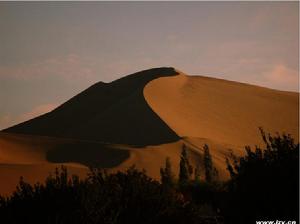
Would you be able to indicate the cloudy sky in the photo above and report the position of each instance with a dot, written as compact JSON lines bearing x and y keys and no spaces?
{"x":53,"y":50}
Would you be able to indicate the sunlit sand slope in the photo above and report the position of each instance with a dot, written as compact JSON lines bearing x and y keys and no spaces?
{"x":223,"y":114}
{"x":222,"y":111}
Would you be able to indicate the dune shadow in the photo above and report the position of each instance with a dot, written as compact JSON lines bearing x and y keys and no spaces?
{"x":87,"y":153}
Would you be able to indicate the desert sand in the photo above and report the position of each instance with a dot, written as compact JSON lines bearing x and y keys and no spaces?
{"x":140,"y":120}
{"x":222,"y":111}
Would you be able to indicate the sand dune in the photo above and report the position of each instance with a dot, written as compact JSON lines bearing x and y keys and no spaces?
{"x":222,"y":111}
{"x":113,"y":112}
{"x":141,"y":119}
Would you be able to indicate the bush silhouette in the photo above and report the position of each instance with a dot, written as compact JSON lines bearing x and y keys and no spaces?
{"x":122,"y":197}
{"x":264,"y":184}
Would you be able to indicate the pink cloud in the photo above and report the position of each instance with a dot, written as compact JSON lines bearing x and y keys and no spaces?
{"x":5,"y":121}
{"x":37,"y":111}
{"x":9,"y":120}
{"x":282,"y":77}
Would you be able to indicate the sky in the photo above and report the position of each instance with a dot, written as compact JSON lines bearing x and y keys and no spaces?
{"x":50,"y":51}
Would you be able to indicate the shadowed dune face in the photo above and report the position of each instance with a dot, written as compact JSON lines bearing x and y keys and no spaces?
{"x":115,"y":112}
{"x":90,"y":154}
{"x":222,"y":111}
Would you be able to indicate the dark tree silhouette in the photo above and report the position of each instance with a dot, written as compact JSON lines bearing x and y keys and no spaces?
{"x":185,"y":169}
{"x":197,"y":170}
{"x":197,"y":174}
{"x":208,"y":165}
{"x":265,"y":182}
{"x":166,"y":174}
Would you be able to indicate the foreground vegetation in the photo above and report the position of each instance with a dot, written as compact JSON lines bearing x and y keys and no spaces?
{"x":263,"y":186}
